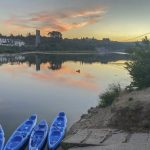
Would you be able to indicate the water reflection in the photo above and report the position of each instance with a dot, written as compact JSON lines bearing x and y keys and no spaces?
{"x":55,"y":60}
{"x":47,"y":84}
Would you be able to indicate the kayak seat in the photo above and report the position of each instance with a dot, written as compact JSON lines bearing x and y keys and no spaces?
{"x":36,"y":128}
{"x":61,"y":114}
{"x":24,"y":129}
{"x":1,"y":136}
{"x":21,"y":134}
{"x":24,"y":134}
{"x":60,"y":130}
{"x":42,"y":126}
{"x":39,"y":133}
{"x":15,"y":141}
{"x":60,"y":119}
{"x":29,"y":122}
{"x":62,"y":124}
{"x":55,"y":136}
{"x":58,"y":127}
{"x":35,"y":141}
{"x":55,"y":133}
{"x":32,"y":117}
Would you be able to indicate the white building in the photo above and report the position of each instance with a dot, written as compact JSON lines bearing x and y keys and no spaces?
{"x":11,"y":42}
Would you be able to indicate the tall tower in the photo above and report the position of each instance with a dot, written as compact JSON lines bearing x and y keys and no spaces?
{"x":38,"y":38}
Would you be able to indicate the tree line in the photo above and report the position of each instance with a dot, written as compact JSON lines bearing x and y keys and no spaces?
{"x":55,"y":41}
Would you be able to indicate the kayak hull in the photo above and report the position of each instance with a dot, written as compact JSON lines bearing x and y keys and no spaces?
{"x":38,"y":136}
{"x":21,"y":134}
{"x":2,"y":138}
{"x":57,"y":131}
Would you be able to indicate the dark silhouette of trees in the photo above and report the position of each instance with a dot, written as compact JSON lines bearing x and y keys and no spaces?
{"x":146,"y":41}
{"x":55,"y":35}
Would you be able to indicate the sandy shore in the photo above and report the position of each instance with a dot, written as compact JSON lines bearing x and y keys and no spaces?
{"x":130,"y":112}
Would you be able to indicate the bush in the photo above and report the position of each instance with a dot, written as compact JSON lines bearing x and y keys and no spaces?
{"x":108,"y":97}
{"x":139,"y":68}
{"x":130,"y":99}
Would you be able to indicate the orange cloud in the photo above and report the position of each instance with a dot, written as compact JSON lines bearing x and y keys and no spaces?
{"x":57,"y":77}
{"x":69,"y":71}
{"x":63,"y":20}
{"x":64,"y":76}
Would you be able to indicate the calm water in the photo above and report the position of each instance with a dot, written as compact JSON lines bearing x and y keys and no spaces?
{"x":47,"y":84}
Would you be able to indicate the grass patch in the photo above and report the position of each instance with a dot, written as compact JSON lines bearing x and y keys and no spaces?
{"x":108,"y":97}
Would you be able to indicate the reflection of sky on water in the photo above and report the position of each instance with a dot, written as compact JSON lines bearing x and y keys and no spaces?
{"x":24,"y":91}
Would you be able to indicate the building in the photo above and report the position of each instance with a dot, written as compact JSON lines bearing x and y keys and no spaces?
{"x":7,"y":41}
{"x":38,"y":38}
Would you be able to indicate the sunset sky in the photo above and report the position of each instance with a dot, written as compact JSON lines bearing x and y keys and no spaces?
{"x":116,"y":19}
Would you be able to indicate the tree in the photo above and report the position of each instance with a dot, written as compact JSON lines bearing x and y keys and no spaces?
{"x":55,"y":35}
{"x":146,"y":41}
{"x":11,"y":36}
{"x":139,"y":68}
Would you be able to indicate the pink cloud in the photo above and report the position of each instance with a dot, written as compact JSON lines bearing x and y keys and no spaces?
{"x":63,"y":20}
{"x":61,"y":79}
{"x":64,"y":76}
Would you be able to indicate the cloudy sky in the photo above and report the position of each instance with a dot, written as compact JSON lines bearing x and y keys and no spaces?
{"x":116,"y":19}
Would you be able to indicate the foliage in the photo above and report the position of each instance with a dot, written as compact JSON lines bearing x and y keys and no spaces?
{"x":55,"y":35}
{"x":9,"y":49}
{"x":56,"y":42}
{"x":139,"y":68}
{"x":108,"y":97}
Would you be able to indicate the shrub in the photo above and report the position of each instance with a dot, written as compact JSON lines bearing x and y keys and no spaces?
{"x":130,"y":99}
{"x":139,"y":68}
{"x":108,"y":97}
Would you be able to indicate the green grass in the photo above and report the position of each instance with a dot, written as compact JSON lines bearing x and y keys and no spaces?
{"x":108,"y":97}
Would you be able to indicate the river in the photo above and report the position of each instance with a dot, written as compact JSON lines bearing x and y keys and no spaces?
{"x":48,"y":83}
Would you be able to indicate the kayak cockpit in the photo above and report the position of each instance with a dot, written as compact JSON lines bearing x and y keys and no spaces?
{"x":15,"y":141}
{"x":33,"y":117}
{"x":55,"y":136}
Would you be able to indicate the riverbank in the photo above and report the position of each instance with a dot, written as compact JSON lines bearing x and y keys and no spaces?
{"x":134,"y":107}
{"x":130,"y":113}
{"x":61,"y":53}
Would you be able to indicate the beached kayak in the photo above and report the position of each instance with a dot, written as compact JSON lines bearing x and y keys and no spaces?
{"x":21,"y":134}
{"x":2,"y":138}
{"x":38,"y":136}
{"x":57,"y":131}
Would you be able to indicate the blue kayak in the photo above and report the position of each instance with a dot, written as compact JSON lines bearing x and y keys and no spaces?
{"x":21,"y":134}
{"x":57,"y":131}
{"x":38,"y":136}
{"x":2,"y":138}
